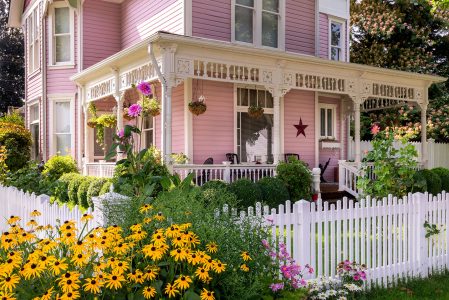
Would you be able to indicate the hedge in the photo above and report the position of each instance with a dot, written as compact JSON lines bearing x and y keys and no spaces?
{"x":17,"y":141}
{"x":246,"y":191}
{"x":274,"y":191}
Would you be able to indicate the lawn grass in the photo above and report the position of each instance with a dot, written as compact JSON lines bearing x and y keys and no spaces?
{"x":435,"y":287}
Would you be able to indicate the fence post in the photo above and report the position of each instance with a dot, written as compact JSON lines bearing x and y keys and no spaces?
{"x":316,"y":180}
{"x":431,"y":154}
{"x":303,"y":219}
{"x":227,"y":171}
{"x":420,"y":202}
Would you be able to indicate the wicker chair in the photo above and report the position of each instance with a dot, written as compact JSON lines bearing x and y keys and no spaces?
{"x":205,"y":175}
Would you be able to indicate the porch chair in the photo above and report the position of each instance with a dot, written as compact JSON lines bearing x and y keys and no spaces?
{"x":205,"y":174}
{"x":233,"y":158}
{"x":288,"y":155}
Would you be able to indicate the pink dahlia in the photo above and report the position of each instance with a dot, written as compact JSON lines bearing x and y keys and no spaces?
{"x":144,"y":88}
{"x":134,"y":110}
{"x":375,"y":129}
{"x":121,"y":133}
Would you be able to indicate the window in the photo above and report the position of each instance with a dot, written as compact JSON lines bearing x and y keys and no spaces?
{"x":100,"y":151}
{"x":148,"y":132}
{"x":336,"y":40}
{"x":254,"y":136}
{"x":34,"y":128}
{"x":62,"y":35}
{"x":62,"y":127}
{"x":259,"y":22}
{"x":327,"y":121}
{"x":33,"y":22}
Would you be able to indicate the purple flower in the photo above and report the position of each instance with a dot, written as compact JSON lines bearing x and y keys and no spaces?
{"x":311,"y":270}
{"x":276,"y":286}
{"x":144,"y":88}
{"x":356,"y":277}
{"x":121,"y":133}
{"x":265,"y":244}
{"x":134,"y":110}
{"x":303,"y":282}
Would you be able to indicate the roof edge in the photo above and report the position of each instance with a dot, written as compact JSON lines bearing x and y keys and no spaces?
{"x":15,"y":13}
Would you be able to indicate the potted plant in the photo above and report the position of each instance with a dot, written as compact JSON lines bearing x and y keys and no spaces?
{"x":198,"y":107}
{"x":92,"y":123}
{"x":126,"y":116}
{"x":255,"y":111}
{"x":150,"y":107}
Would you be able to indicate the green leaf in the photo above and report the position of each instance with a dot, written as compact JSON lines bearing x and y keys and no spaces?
{"x":191,"y":295}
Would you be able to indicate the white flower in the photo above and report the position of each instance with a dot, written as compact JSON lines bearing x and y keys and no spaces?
{"x":352,"y":287}
{"x":342,"y":298}
{"x":322,"y":296}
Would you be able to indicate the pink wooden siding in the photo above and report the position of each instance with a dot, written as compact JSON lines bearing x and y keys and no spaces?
{"x":324,"y":36}
{"x":212,"y":21}
{"x":300,"y":26}
{"x":141,"y":18}
{"x":300,"y":105}
{"x":25,"y":5}
{"x":101,"y":22}
{"x":213,"y":132}
{"x":333,"y":154}
{"x":178,"y":119}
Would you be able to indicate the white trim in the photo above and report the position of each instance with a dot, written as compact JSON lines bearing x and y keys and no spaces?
{"x":61,"y":98}
{"x":333,"y":107}
{"x":282,"y":125}
{"x":51,"y":42}
{"x":188,"y":120}
{"x":188,"y":18}
{"x":29,"y":9}
{"x":317,"y":130}
{"x":342,"y":22}
{"x":33,"y":41}
{"x":257,"y":25}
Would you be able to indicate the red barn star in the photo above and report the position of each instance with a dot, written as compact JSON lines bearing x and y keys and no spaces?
{"x":301,"y":128}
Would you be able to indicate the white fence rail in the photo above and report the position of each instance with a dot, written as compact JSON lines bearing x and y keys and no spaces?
{"x":438,"y":153}
{"x":17,"y":203}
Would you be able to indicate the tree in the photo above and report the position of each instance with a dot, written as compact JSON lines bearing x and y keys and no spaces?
{"x":12,"y":84}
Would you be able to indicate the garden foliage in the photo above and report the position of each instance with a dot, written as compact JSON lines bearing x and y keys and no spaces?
{"x":297,"y":178}
{"x":443,"y":173}
{"x":17,"y":141}
{"x":246,"y":191}
{"x":274,"y":191}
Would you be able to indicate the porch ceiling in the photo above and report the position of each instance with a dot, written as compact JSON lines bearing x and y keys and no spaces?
{"x":277,"y":70}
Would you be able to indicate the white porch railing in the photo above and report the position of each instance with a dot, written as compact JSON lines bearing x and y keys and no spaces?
{"x":349,"y":173}
{"x":99,"y":169}
{"x":225,"y":172}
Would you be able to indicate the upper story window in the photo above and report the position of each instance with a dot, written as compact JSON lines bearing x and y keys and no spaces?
{"x":33,"y":42}
{"x":336,"y":40}
{"x":259,"y":22}
{"x":62,"y":35}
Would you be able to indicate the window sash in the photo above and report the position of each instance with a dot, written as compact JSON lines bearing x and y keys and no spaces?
{"x":327,"y":122}
{"x":62,"y":40}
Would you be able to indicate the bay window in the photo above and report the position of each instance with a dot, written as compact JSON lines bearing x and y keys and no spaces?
{"x":254,"y":136}
{"x":336,"y":40}
{"x":62,"y":124}
{"x":62,"y":35}
{"x":259,"y":22}
{"x":328,"y":121}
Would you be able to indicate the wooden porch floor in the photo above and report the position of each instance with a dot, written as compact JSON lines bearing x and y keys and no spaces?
{"x":330,"y":192}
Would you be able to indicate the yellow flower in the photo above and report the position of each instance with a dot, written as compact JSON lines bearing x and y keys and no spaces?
{"x":203,"y":257}
{"x":153,"y":252}
{"x":145,"y":208}
{"x":93,"y":285}
{"x":121,"y":267}
{"x":171,"y":291}
{"x":212,"y":247}
{"x":218,"y":266}
{"x":86,"y":218}
{"x":9,"y":283}
{"x":159,"y":217}
{"x":178,"y":241}
{"x":136,"y":227}
{"x":149,"y":292}
{"x":32,"y":269}
{"x":183,"y":282}
{"x":172,"y":231}
{"x":121,"y":248}
{"x":114,"y":281}
{"x":244,"y":268}
{"x":48,"y":294}
{"x":158,"y":239}
{"x":70,"y":295}
{"x":57,"y":266}
{"x":207,"y":295}
{"x":78,"y":247}
{"x":31,"y":223}
{"x":147,"y":220}
{"x":80,"y":259}
{"x":69,"y":285}
{"x":7,"y":296}
{"x":13,"y":220}
{"x":35,"y":213}
{"x":245,"y":256}
{"x":193,"y":259}
{"x":202,"y":274}
{"x":136,"y":276}
{"x":179,"y":254}
{"x":151,"y":273}
{"x":192,"y":239}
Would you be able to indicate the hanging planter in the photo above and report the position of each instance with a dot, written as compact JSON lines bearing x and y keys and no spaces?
{"x":92,"y":123}
{"x":198,"y":107}
{"x":150,"y":107}
{"x":126,"y":116}
{"x":255,"y":112}
{"x":107,"y":120}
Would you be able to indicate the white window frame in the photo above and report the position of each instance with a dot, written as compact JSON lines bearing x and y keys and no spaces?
{"x":333,"y":107}
{"x":144,"y":142}
{"x":342,"y":23}
{"x":36,"y":121}
{"x":257,"y":25}
{"x":33,"y":41}
{"x":62,"y":98}
{"x":51,"y":37}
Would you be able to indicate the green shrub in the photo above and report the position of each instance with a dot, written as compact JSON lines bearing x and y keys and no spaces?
{"x":105,"y":187}
{"x":13,"y":118}
{"x":419,"y":182}
{"x":82,"y":191}
{"x":443,"y":173}
{"x":94,"y":189}
{"x":28,"y":179}
{"x":60,"y":193}
{"x":73,"y":189}
{"x":214,"y":184}
{"x":433,"y":182}
{"x":58,"y":165}
{"x":297,"y":178}
{"x":246,"y":191}
{"x":17,"y":141}
{"x":274,"y":191}
{"x":218,"y":196}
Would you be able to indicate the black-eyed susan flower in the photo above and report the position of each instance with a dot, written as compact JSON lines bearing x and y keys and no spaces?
{"x":245,"y":256}
{"x":121,"y":248}
{"x":93,"y":285}
{"x":147,"y":220}
{"x":7,"y":296}
{"x":57,"y":266}
{"x":145,"y":208}
{"x":183,"y":282}
{"x":35,"y":213}
{"x":178,"y":241}
{"x":218,"y":266}
{"x":9,"y":282}
{"x":149,"y":292}
{"x":244,"y":268}
{"x":179,"y":254}
{"x":114,"y":281}
{"x":69,"y":285}
{"x":86,"y":218}
{"x":31,"y":223}
{"x":193,"y":259}
{"x":158,"y":239}
{"x":207,"y":295}
{"x":13,"y":220}
{"x":152,"y":252}
{"x":72,"y":295}
{"x":159,"y":217}
{"x":202,"y":274}
{"x":151,"y":273}
{"x":121,"y":267}
{"x":171,"y":290}
{"x":32,"y":270}
{"x":48,"y":294}
{"x":172,"y":231}
{"x":212,"y":247}
{"x":80,"y":259}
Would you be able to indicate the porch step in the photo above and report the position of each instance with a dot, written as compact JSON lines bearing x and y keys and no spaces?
{"x":330,"y":192}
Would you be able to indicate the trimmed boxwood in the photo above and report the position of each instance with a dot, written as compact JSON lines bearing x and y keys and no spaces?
{"x":105,"y":188}
{"x":433,"y":182}
{"x":443,"y":173}
{"x":214,"y":184}
{"x":73,"y":189}
{"x":60,"y":192}
{"x":274,"y":191}
{"x":59,"y":165}
{"x":246,"y":191}
{"x":94,"y":189}
{"x":82,"y":191}
{"x":297,"y":178}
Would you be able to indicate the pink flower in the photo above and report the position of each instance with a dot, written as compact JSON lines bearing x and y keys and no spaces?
{"x":311,"y":270}
{"x":121,"y":133}
{"x":276,"y":286}
{"x":265,"y":244}
{"x":144,"y":88}
{"x":356,"y":277}
{"x":134,"y":110}
{"x":375,"y":129}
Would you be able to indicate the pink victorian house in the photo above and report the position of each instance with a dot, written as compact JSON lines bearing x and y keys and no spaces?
{"x":288,"y":56}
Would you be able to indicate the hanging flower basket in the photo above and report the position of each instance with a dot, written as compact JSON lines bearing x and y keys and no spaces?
{"x":150,"y":107}
{"x":126,"y":116}
{"x":197,"y":107}
{"x":255,"y":112}
{"x":92,"y":123}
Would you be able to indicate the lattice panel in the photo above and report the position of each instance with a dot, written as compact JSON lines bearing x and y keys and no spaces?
{"x":101,"y":89}
{"x":136,"y":75}
{"x":378,"y":103}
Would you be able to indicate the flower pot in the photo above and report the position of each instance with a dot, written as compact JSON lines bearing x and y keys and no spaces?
{"x":197,"y":108}
{"x":154,"y":112}
{"x":92,"y":123}
{"x":255,"y":112}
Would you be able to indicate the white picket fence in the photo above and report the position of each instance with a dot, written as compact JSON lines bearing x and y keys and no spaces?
{"x":17,"y":203}
{"x":388,"y":236}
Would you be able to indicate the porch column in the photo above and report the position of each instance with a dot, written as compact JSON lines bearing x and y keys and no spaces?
{"x":358,"y":156}
{"x":424,"y":155}
{"x":166,"y":141}
{"x":276,"y":127}
{"x":188,"y":121}
{"x":120,"y":125}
